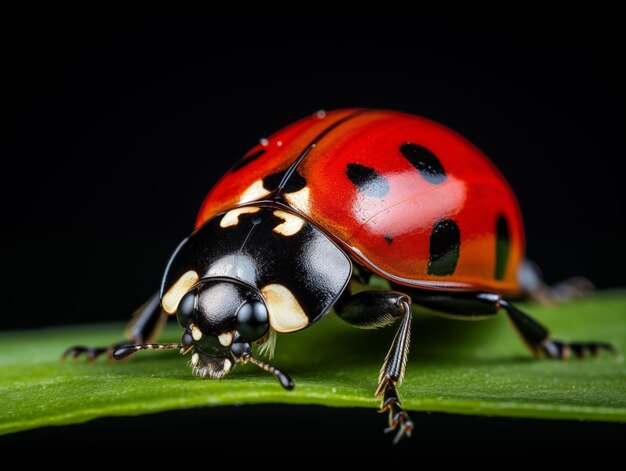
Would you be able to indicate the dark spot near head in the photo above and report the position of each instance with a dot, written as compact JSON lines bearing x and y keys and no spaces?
{"x":247,"y":159}
{"x":502,"y":247}
{"x":388,"y":238}
{"x":295,"y":183}
{"x":426,"y":163}
{"x":367,"y":180}
{"x":445,"y":246}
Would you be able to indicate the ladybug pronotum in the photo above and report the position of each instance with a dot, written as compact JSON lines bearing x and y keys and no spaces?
{"x":345,"y":196}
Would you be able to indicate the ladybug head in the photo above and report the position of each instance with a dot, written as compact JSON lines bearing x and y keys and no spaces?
{"x":222,"y":318}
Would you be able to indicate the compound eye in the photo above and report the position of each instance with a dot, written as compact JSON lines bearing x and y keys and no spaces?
{"x":185,"y":309}
{"x":252,"y":321}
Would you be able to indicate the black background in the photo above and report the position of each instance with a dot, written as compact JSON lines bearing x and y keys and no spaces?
{"x":121,"y":126}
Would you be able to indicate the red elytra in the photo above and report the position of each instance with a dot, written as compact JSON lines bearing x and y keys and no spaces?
{"x":386,"y":223}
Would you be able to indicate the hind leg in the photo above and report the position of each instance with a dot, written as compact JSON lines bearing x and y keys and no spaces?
{"x":534,"y":286}
{"x":482,"y":305}
{"x":144,"y":326}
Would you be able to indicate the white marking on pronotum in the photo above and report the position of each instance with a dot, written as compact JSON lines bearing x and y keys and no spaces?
{"x":300,"y":200}
{"x":227,"y":365}
{"x":231,"y":218}
{"x":226,"y":338}
{"x":178,"y":290}
{"x":195,"y":332}
{"x":254,"y":192}
{"x":285,"y":313}
{"x":291,"y":225}
{"x":195,"y":358}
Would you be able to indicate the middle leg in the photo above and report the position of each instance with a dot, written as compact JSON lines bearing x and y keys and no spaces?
{"x":374,"y":309}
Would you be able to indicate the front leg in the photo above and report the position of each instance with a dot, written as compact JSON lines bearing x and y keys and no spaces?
{"x":143,"y":327}
{"x":374,"y":309}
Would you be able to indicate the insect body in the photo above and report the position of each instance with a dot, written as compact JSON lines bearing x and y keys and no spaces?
{"x":340,"y":195}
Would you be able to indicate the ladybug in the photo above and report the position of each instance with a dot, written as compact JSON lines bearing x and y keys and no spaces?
{"x":346,"y":196}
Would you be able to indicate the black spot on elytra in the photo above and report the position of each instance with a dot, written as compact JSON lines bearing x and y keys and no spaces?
{"x":426,"y":163}
{"x":388,"y":238}
{"x":367,"y":180}
{"x":502,"y":246}
{"x":445,"y":247}
{"x":246,"y":160}
{"x":295,"y":183}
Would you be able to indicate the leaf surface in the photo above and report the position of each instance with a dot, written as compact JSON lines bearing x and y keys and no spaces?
{"x":460,"y":367}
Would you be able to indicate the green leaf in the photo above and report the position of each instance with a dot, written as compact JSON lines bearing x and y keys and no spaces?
{"x":460,"y":367}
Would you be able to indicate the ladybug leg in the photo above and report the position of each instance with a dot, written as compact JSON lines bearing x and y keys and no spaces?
{"x":534,"y":286}
{"x":374,"y":309}
{"x":482,"y":305}
{"x":144,"y":325}
{"x":538,"y":339}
